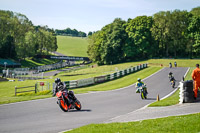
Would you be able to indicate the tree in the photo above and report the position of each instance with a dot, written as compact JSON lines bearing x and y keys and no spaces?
{"x":170,"y":32}
{"x":194,"y":33}
{"x":70,"y":32}
{"x":140,"y":43}
{"x":106,"y":45}
{"x":89,"y":33}
{"x":82,"y":34}
{"x":160,"y":33}
{"x":177,"y":31}
{"x":196,"y":11}
{"x":20,"y":39}
{"x":46,"y":41}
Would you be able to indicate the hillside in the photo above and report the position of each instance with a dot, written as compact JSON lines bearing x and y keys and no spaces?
{"x":72,"y":46}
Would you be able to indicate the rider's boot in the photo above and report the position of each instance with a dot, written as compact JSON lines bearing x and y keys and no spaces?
{"x":72,"y":104}
{"x":146,"y":91}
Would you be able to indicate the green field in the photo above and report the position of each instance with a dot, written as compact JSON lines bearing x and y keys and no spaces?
{"x":72,"y":46}
{"x":37,"y":62}
{"x":173,"y":124}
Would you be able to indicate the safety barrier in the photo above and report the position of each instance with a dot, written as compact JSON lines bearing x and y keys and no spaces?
{"x":186,"y":94}
{"x":104,"y":78}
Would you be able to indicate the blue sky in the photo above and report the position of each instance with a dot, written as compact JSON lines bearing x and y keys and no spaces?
{"x":90,"y":15}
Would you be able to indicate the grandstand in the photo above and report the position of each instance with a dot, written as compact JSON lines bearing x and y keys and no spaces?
{"x":9,"y":63}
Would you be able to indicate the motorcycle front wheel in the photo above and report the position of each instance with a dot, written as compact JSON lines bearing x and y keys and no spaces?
{"x":77,"y":105}
{"x":63,"y":106}
{"x":143,"y":95}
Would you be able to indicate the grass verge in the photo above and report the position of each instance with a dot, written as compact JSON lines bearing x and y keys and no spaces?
{"x":173,"y":124}
{"x":171,"y":100}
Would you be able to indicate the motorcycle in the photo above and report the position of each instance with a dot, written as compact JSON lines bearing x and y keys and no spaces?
{"x":143,"y":91}
{"x":67,"y":101}
{"x":172,"y":83}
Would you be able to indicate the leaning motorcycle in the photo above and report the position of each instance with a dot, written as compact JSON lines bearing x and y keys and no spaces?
{"x":172,"y":83}
{"x":143,"y":91}
{"x":67,"y":101}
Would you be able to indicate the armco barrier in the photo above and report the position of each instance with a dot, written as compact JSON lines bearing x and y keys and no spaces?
{"x":104,"y":78}
{"x":100,"y":79}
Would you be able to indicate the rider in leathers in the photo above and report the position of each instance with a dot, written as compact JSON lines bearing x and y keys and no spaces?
{"x":61,"y":86}
{"x":139,"y":84}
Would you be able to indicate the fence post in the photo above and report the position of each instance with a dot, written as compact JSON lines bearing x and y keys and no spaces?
{"x":35,"y":87}
{"x":108,"y":77}
{"x":15,"y":90}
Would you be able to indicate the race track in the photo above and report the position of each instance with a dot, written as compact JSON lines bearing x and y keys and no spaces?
{"x":45,"y":116}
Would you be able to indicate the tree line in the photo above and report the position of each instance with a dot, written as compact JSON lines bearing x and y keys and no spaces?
{"x":166,"y":34}
{"x":71,"y":32}
{"x":19,"y":38}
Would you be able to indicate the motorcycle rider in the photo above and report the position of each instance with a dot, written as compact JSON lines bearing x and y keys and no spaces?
{"x":170,"y":75}
{"x":170,"y":65}
{"x":61,"y":86}
{"x":172,"y":79}
{"x":139,"y":84}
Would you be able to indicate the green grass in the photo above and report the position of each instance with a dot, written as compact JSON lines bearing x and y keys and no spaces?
{"x":174,"y":98}
{"x":173,"y":124}
{"x":36,"y":62}
{"x":95,"y":71}
{"x":189,"y":74}
{"x":72,"y":46}
{"x":7,"y":92}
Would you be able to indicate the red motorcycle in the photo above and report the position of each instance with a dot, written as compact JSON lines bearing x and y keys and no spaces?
{"x":67,"y":100}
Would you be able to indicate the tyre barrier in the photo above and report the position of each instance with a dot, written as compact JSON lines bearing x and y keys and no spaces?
{"x":186,"y":92}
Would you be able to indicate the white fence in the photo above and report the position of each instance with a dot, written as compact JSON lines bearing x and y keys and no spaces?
{"x":100,"y":79}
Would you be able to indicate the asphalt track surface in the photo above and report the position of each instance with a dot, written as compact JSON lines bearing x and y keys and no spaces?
{"x":45,"y":116}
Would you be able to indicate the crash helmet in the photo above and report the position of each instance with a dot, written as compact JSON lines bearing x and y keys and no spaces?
{"x":71,"y":93}
{"x":57,"y":80}
{"x":139,"y":80}
{"x":170,"y":73}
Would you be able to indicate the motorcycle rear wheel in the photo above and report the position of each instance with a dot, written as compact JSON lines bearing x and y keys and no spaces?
{"x":63,"y":105}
